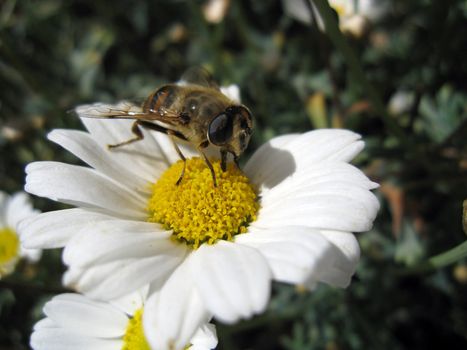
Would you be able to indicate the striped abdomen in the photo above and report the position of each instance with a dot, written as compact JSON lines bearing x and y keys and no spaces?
{"x":163,"y":98}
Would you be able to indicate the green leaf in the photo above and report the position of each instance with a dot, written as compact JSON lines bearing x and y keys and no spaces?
{"x":409,"y":248}
{"x":442,"y":115}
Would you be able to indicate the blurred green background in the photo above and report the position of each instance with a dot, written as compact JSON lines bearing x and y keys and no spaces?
{"x":57,"y":54}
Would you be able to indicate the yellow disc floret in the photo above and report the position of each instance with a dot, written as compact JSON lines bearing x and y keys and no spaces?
{"x":9,"y":245}
{"x":134,"y":338}
{"x":196,"y":210}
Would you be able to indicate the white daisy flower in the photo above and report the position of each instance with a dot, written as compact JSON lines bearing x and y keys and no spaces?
{"x":12,"y":210}
{"x":76,"y":322}
{"x":208,"y":251}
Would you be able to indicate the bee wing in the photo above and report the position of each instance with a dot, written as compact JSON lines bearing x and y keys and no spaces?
{"x":198,"y":76}
{"x":122,"y":110}
{"x":127,"y":110}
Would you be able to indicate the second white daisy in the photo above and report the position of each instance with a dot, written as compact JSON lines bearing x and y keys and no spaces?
{"x":13,"y":209}
{"x":76,"y":322}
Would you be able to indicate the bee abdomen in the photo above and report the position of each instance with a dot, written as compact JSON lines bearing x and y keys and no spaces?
{"x":162,"y":98}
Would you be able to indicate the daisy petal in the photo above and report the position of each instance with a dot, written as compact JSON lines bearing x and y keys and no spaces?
{"x":54,"y":229}
{"x":204,"y":338}
{"x":324,"y":144}
{"x":86,"y":317}
{"x":168,"y":150}
{"x":172,"y":316}
{"x":61,"y":339}
{"x":3,"y":199}
{"x":131,"y":302}
{"x":32,"y":255}
{"x":118,"y":278}
{"x":270,"y":153}
{"x":82,"y":186}
{"x":321,"y":174}
{"x":82,"y":145}
{"x":121,"y":239}
{"x":348,"y":153}
{"x":346,"y":210}
{"x":340,"y":190}
{"x":45,"y":323}
{"x":232,"y":92}
{"x":144,"y":156}
{"x":347,"y":256}
{"x":233,"y":280}
{"x":18,"y":207}
{"x":296,"y":155}
{"x":293,"y":253}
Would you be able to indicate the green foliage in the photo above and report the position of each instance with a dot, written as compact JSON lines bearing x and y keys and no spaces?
{"x":443,"y":115}
{"x":56,"y":54}
{"x":409,"y":249}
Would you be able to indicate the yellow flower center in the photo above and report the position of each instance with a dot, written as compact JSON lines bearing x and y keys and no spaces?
{"x":198,"y":212}
{"x":134,"y":338}
{"x":9,"y":245}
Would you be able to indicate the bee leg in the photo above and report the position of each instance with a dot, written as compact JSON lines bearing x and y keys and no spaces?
{"x":136,"y":131}
{"x":180,"y":154}
{"x":208,"y":163}
{"x":151,"y":126}
{"x":224,"y":160}
{"x":236,"y":162}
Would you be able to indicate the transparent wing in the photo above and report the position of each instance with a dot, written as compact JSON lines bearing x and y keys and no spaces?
{"x":198,"y":76}
{"x":122,"y":110}
{"x":127,"y":110}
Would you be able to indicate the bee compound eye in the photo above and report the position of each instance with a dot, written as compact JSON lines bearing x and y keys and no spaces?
{"x":220,"y":129}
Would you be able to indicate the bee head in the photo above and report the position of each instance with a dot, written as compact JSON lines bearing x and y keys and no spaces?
{"x":231,"y":130}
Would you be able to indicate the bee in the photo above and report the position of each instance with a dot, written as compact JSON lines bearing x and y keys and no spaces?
{"x":194,"y":111}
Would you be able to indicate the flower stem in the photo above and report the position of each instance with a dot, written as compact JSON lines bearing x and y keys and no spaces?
{"x":441,"y":260}
{"x":356,"y":70}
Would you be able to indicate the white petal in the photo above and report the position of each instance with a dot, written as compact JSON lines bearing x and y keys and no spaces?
{"x":168,"y":150}
{"x":130,"y":303}
{"x":333,"y":211}
{"x":297,"y":155}
{"x":45,"y":323}
{"x":347,"y":153}
{"x":346,"y":259}
{"x":339,"y":189}
{"x":32,"y":255}
{"x":118,"y":278}
{"x":60,"y":339}
{"x":324,"y":144}
{"x":232,"y":92}
{"x":118,"y":239}
{"x":54,"y":229}
{"x":18,"y":207}
{"x":205,"y":338}
{"x":86,"y":317}
{"x":172,"y":316}
{"x":82,"y":145}
{"x":149,"y":163}
{"x":233,"y":280}
{"x":293,"y":253}
{"x":270,"y":153}
{"x":82,"y":186}
{"x":327,"y":172}
{"x":3,"y":200}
